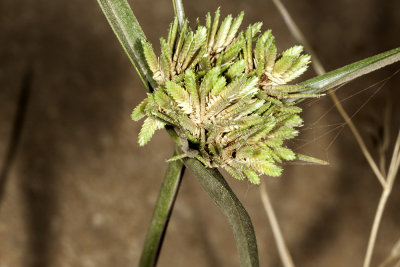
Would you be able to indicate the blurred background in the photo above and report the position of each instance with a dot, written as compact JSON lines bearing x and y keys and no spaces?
{"x":78,"y":190}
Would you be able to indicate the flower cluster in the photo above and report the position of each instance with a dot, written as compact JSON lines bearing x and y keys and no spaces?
{"x":225,"y":93}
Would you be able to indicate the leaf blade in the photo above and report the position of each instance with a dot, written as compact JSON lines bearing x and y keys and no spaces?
{"x":162,"y":212}
{"x":352,"y":71}
{"x":218,"y":189}
{"x":130,"y":35}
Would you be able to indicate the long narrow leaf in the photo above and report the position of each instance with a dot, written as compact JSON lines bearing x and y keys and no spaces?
{"x":218,"y":189}
{"x":130,"y":34}
{"x":351,"y":71}
{"x":162,"y":212}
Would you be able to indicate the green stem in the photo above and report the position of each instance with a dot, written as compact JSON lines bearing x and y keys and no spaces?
{"x":162,"y":213}
{"x":218,"y":189}
{"x":179,"y":12}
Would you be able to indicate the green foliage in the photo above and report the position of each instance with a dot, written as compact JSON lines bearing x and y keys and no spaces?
{"x":150,"y":125}
{"x":139,"y":112}
{"x":226,"y":94}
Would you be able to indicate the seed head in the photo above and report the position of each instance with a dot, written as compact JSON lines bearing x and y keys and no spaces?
{"x":226,"y":95}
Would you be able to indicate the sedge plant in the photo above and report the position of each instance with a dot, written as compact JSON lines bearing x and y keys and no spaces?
{"x":226,"y":98}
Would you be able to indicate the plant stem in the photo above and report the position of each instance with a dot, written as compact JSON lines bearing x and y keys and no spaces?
{"x":280,"y":241}
{"x":296,"y":32}
{"x":179,"y":12}
{"x":393,"y":169}
{"x":162,"y":212}
{"x":358,"y":138}
{"x":218,"y":189}
{"x":387,"y":183}
{"x":384,"y":144}
{"x":375,"y":227}
{"x":320,"y":70}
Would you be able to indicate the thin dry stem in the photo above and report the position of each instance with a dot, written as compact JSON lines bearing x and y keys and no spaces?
{"x":394,"y":167}
{"x":319,"y":69}
{"x":280,"y":241}
{"x":384,"y":145}
{"x":297,"y":33}
{"x":358,"y":138}
{"x":387,"y":183}
{"x":375,"y":227}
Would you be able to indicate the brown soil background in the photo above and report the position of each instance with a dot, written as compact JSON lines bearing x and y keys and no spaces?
{"x":80,"y":191}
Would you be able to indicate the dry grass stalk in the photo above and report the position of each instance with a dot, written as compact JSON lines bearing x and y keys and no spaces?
{"x":386,"y":182}
{"x":280,"y":241}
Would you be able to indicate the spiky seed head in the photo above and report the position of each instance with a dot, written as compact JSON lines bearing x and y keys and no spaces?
{"x":225,"y":93}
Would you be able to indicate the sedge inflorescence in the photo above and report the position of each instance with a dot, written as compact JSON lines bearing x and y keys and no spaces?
{"x":225,"y":94}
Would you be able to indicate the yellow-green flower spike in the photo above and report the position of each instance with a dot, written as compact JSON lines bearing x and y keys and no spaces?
{"x":225,"y":94}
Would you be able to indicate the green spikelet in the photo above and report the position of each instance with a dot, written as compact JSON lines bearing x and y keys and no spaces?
{"x":149,"y":127}
{"x":298,"y":68}
{"x":236,"y":69}
{"x":284,"y":132}
{"x":255,"y":28}
{"x":311,"y":159}
{"x":250,"y":88}
{"x":185,"y":50}
{"x":208,"y":26}
{"x":173,"y":32}
{"x":235,"y":173}
{"x":140,"y":111}
{"x":218,"y":86}
{"x":181,"y":40}
{"x":222,"y":33}
{"x":209,"y":81}
{"x":283,"y":64}
{"x":233,"y":50}
{"x":252,"y":176}
{"x":166,"y":70}
{"x":270,"y":53}
{"x":199,"y":40}
{"x":191,"y":87}
{"x":234,"y":88}
{"x":150,"y":56}
{"x":199,"y":56}
{"x":268,"y":126}
{"x":266,"y":167}
{"x":180,"y":95}
{"x":234,"y":29}
{"x":177,"y":157}
{"x":293,"y":121}
{"x":294,"y":51}
{"x":188,"y":125}
{"x":166,"y":51}
{"x":213,"y":30}
{"x":259,"y":50}
{"x":161,"y":99}
{"x":247,"y":49}
{"x":285,"y":153}
{"x":290,"y":109}
{"x":245,"y":152}
{"x":273,"y":142}
{"x":205,"y":65}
